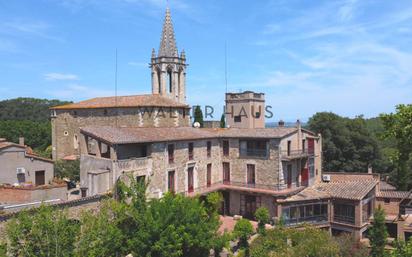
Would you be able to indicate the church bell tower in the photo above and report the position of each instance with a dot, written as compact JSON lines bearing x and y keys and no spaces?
{"x":168,"y":68}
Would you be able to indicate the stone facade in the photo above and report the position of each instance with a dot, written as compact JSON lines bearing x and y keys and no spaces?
{"x":66,"y":123}
{"x":98,"y":174}
{"x":245,"y":110}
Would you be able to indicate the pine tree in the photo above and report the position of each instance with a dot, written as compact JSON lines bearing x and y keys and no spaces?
{"x":222,"y":121}
{"x":378,"y":233}
{"x":199,"y":116}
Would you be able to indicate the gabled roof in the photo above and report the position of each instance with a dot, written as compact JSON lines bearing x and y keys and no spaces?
{"x":148,"y":100}
{"x":394,"y":194}
{"x":28,"y":151}
{"x":128,"y":135}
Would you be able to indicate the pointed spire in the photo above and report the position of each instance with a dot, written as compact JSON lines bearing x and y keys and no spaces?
{"x":168,"y":43}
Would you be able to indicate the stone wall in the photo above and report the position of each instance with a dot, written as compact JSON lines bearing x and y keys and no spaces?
{"x":15,"y":195}
{"x":66,"y":124}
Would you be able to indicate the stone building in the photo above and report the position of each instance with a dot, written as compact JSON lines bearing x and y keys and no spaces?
{"x":165,"y":107}
{"x":252,"y":167}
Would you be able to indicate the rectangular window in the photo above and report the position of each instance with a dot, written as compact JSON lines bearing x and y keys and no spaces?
{"x":289,"y":146}
{"x":209,"y":175}
{"x":171,"y":152}
{"x":209,"y":148}
{"x":344,"y":213}
{"x":40,"y":178}
{"x":141,"y":179}
{"x":226,"y":173}
{"x":251,"y":174}
{"x":225,"y":147}
{"x":253,"y":148}
{"x":190,"y":179}
{"x":303,"y":145}
{"x":190,"y":146}
{"x":171,"y":181}
{"x":238,"y":118}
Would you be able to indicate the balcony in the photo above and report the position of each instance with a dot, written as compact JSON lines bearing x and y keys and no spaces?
{"x":133,"y":164}
{"x":260,"y":153}
{"x":296,"y":154}
{"x":344,"y":219}
{"x":242,"y":186}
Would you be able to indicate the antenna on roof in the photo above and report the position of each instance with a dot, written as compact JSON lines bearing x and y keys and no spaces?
{"x":115,"y":90}
{"x":226,"y":65}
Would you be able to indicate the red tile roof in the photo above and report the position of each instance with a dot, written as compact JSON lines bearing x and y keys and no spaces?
{"x":123,"y":101}
{"x":127,"y":135}
{"x":28,"y":151}
{"x":393,"y":194}
{"x":351,"y":189}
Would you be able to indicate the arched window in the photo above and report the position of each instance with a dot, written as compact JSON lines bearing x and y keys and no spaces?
{"x":169,"y":80}
{"x":159,"y":82}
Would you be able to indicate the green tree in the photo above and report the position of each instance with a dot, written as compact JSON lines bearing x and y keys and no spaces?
{"x":402,"y":249}
{"x":223,"y":121}
{"x":100,"y":234}
{"x":350,"y":247}
{"x":198,"y":115}
{"x":243,"y":230}
{"x":378,"y":233}
{"x":398,"y":126}
{"x":262,"y":216}
{"x":67,"y":169}
{"x":45,"y":232}
{"x":347,"y":143}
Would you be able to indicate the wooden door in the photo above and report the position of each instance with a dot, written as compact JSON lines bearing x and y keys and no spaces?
{"x":190,"y":179}
{"x":226,"y":173}
{"x":251,"y":174}
{"x":311,"y":146}
{"x":305,"y":176}
{"x":209,"y":175}
{"x":289,"y":169}
{"x":40,"y":178}
{"x":171,"y":181}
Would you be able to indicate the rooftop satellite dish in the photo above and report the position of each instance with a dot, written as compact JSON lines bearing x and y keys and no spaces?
{"x":196,"y":124}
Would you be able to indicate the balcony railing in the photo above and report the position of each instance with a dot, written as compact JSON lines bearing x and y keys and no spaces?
{"x":236,"y":185}
{"x":132,"y":164}
{"x":254,"y":153}
{"x":344,"y":219}
{"x":312,"y":219}
{"x":299,"y":153}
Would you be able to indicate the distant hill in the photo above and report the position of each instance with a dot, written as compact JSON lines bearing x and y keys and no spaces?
{"x":32,"y":109}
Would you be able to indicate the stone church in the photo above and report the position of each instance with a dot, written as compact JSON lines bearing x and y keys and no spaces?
{"x":165,"y":107}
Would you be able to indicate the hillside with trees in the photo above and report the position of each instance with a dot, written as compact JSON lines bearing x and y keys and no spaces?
{"x":28,"y":118}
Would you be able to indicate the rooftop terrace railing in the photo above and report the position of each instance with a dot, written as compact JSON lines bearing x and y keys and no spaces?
{"x":298,"y":153}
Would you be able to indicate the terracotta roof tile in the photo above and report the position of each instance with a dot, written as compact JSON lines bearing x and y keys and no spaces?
{"x":123,"y":101}
{"x":393,"y":194}
{"x":28,"y":151}
{"x":352,"y":189}
{"x":309,"y":193}
{"x":127,"y":135}
{"x":385,"y":186}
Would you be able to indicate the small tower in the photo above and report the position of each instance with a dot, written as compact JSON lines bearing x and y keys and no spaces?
{"x":168,"y":68}
{"x":245,"y":110}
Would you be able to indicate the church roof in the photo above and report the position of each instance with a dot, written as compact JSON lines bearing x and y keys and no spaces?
{"x":123,"y":101}
{"x":168,"y":46}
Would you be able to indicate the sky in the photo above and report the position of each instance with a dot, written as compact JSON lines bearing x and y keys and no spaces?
{"x":351,"y":57}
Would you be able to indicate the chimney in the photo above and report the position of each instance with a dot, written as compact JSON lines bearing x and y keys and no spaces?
{"x":281,"y":123}
{"x":370,"y":169}
{"x":298,"y":124}
{"x":21,"y":141}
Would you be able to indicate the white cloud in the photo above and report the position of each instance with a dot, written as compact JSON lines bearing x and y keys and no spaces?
{"x":346,"y":11}
{"x":60,"y":76}
{"x":28,"y":27}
